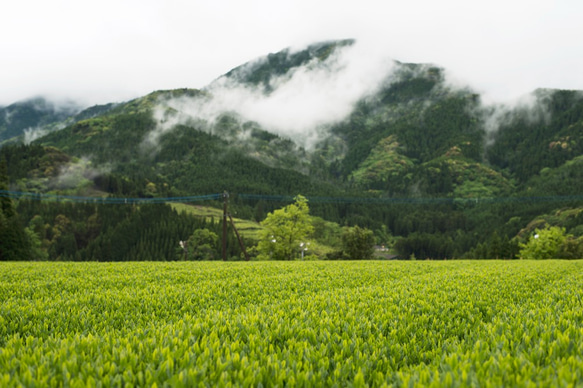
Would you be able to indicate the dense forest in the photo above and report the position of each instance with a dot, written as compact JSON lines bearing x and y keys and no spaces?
{"x":429,"y":168}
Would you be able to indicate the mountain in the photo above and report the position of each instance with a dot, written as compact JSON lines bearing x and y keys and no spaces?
{"x":33,"y":118}
{"x":32,"y":114}
{"x":392,"y":146}
{"x":263,"y":71}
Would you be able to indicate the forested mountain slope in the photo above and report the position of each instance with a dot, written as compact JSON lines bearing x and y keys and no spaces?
{"x":401,"y":151}
{"x":27,"y":120}
{"x":32,"y":114}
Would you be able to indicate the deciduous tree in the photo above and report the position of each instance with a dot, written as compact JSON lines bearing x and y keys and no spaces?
{"x":358,"y":243}
{"x":285,"y":229}
{"x":202,"y":245}
{"x":544,"y":244}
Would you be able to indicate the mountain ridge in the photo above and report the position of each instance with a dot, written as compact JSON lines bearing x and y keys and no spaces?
{"x":405,"y":132}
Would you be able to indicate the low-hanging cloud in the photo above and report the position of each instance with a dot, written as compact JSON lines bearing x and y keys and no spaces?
{"x":71,"y":175}
{"x":301,"y":104}
{"x":33,"y":133}
{"x":532,"y":108}
{"x":305,"y":102}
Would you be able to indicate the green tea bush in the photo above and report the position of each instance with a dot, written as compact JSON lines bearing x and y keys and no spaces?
{"x":308,"y":323}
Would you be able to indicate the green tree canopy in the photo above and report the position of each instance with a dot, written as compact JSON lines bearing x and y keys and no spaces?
{"x":14,"y":244}
{"x":201,"y":245}
{"x":544,"y":244}
{"x":358,"y":243}
{"x":285,"y":229}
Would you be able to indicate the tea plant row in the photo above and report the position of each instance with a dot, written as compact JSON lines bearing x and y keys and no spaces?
{"x":372,"y":323}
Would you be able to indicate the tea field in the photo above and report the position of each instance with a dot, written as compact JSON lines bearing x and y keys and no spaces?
{"x":376,"y":323}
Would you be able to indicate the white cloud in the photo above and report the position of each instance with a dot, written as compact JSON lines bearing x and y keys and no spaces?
{"x":532,"y":107}
{"x":75,"y":173}
{"x":310,"y":97}
{"x":33,"y":133}
{"x":104,"y":51}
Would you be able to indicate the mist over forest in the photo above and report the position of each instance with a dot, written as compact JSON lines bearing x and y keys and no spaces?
{"x":434,"y":168}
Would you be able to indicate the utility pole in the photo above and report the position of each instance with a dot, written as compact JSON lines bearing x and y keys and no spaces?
{"x":240,"y":240}
{"x":225,"y":215}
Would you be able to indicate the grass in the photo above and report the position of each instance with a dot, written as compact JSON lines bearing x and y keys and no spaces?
{"x":247,"y":229}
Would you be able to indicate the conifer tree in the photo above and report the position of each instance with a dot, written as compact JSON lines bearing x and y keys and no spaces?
{"x":13,"y":242}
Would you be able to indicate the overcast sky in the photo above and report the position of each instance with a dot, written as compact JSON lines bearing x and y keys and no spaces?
{"x":114,"y":50}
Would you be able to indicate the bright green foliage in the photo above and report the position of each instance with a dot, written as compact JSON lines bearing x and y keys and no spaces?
{"x":247,"y":229}
{"x":417,"y":324}
{"x":286,"y":231}
{"x":202,"y":245}
{"x":358,"y":243}
{"x":544,"y":244}
{"x":415,"y":137}
{"x":474,"y":180}
{"x":384,"y":167}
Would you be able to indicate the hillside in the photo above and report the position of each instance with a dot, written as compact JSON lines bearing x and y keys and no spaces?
{"x":28,"y":120}
{"x":402,"y":151}
{"x":33,"y":114}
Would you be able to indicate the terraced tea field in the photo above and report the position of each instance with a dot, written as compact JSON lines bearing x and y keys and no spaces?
{"x":372,"y":323}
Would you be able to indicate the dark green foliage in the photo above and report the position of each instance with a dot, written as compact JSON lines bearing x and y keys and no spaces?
{"x":263,"y":70}
{"x":93,"y":232}
{"x":547,"y":137}
{"x":495,"y":248}
{"x":14,"y":244}
{"x":29,"y":114}
{"x":407,"y":90}
{"x":425,"y":246}
{"x":416,"y":138}
{"x":572,"y":248}
{"x":120,"y":186}
{"x":93,"y":111}
{"x":33,"y":161}
{"x":423,"y":132}
{"x":184,"y":161}
{"x":358,"y":243}
{"x":6,"y":209}
{"x":202,"y":245}
{"x":106,"y":138}
{"x":564,"y":180}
